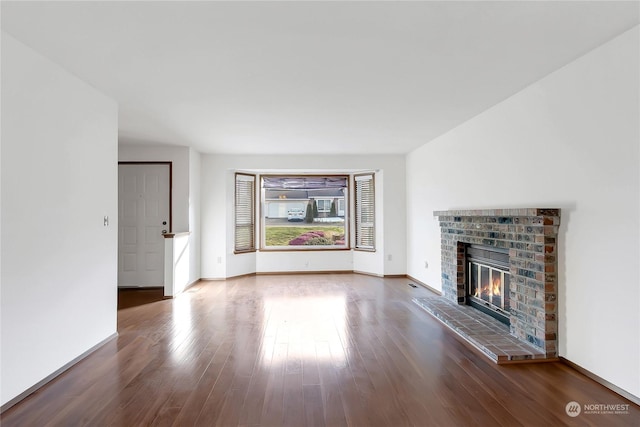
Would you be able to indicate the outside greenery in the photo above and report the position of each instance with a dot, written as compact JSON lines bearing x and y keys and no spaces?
{"x":281,"y":236}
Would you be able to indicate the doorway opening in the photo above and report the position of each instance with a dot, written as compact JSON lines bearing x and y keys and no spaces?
{"x":144,"y":216}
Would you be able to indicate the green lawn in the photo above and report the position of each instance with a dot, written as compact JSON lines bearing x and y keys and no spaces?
{"x":280,"y":236}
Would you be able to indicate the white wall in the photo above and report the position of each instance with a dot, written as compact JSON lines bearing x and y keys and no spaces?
{"x":185,"y":190}
{"x":59,"y":178}
{"x":570,"y":141}
{"x":218,"y":259}
{"x":177,"y":256}
{"x":194,"y":214}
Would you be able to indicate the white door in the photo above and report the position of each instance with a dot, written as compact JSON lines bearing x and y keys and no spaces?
{"x":143,"y":214}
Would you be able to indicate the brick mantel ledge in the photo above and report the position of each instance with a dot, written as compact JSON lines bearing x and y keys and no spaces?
{"x":500,"y":212}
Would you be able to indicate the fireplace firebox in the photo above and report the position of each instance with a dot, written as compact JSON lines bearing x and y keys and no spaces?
{"x":487,"y":287}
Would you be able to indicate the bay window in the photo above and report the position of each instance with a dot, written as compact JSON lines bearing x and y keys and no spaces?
{"x":304,"y":212}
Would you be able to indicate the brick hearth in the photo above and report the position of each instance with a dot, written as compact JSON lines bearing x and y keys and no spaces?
{"x":531,"y":237}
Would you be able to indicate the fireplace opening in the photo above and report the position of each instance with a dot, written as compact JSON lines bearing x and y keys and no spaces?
{"x":487,"y":288}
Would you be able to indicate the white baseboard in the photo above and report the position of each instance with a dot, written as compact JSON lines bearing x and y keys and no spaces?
{"x":56,"y":373}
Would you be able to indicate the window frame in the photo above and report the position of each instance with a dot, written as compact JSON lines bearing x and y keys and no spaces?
{"x":324,"y":204}
{"x":357,"y":214}
{"x":251,"y":247}
{"x":301,"y":248}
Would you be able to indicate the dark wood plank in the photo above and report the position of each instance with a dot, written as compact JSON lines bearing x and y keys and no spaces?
{"x":313,"y":407}
{"x":302,"y":350}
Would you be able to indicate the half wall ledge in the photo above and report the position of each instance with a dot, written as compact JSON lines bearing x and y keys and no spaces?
{"x":176,"y":263}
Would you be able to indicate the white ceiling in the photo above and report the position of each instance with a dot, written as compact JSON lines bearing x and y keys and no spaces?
{"x":309,"y":77}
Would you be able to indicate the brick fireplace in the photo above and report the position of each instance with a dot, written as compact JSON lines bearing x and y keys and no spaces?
{"x":530,"y":238}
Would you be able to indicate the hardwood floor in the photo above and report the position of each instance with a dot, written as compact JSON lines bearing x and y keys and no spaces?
{"x":133,"y":297}
{"x":306,"y":350}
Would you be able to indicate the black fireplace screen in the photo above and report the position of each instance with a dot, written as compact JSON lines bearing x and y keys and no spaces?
{"x":488,"y":281}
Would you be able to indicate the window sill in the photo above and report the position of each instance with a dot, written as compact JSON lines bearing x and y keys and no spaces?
{"x":248,"y":251}
{"x":303,"y":249}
